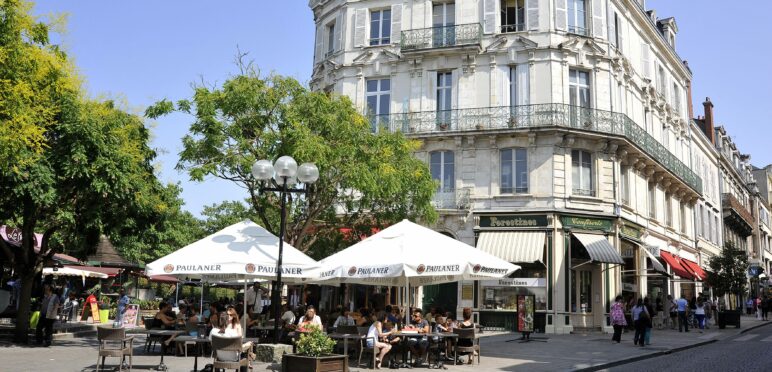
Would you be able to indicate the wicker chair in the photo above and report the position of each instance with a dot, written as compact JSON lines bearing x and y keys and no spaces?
{"x":467,"y":334}
{"x":228,"y":344}
{"x":114,"y":343}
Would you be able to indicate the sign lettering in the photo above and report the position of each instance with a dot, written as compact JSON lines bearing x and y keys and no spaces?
{"x":513,"y":221}
{"x":586,"y":223}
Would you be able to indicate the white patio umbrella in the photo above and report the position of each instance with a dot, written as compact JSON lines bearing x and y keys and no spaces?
{"x":411,"y":255}
{"x":69,"y":271}
{"x":242,"y":251}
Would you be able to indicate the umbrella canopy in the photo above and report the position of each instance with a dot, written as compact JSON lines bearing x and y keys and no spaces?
{"x":408,"y":253}
{"x":241,"y":251}
{"x":69,"y":271}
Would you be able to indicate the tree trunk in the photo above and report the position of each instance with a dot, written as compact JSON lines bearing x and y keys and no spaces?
{"x":25,"y":299}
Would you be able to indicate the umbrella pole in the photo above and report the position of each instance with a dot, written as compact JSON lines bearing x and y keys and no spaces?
{"x":244,"y":317}
{"x":201,"y":302}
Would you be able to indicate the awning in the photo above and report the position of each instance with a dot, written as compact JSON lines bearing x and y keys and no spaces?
{"x":695,"y":268}
{"x":71,"y":271}
{"x":163,"y":279}
{"x":675,"y":265}
{"x":655,"y":264}
{"x":514,"y":246}
{"x":110,"y":271}
{"x":599,"y":249}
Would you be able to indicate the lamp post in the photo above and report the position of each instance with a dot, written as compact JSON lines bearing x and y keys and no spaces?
{"x":284,"y":173}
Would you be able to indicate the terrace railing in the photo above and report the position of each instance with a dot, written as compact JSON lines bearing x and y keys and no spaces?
{"x":441,"y":37}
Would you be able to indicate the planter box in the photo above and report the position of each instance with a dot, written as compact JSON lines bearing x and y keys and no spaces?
{"x":329,"y":363}
{"x":729,"y":317}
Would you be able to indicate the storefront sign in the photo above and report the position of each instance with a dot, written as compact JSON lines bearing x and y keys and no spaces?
{"x":629,"y":287}
{"x":653,"y":249}
{"x":467,"y":292}
{"x":585,"y":223}
{"x":513,"y":221}
{"x":630,"y":231}
{"x":516,"y":282}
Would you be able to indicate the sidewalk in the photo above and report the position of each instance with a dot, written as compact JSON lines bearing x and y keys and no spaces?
{"x":558,"y":353}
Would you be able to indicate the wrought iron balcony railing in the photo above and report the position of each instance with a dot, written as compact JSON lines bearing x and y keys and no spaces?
{"x":441,"y":37}
{"x":456,"y":199}
{"x":539,"y":116}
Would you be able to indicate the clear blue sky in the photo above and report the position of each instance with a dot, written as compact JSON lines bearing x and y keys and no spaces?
{"x":148,"y":50}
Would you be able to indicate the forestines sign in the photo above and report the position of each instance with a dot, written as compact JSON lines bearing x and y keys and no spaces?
{"x":513,"y":221}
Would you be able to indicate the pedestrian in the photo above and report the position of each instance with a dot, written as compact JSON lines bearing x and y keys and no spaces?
{"x":123,"y":304}
{"x":659,"y":309}
{"x":765,"y":305}
{"x":673,"y":311}
{"x":699,"y":312}
{"x":641,"y":319}
{"x":618,"y":320}
{"x":651,"y":310}
{"x":682,"y":306}
{"x":708,"y":312}
{"x":49,"y":310}
{"x":757,"y":308}
{"x":749,"y":306}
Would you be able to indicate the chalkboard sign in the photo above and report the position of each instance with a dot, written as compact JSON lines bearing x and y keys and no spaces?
{"x":94,"y":312}
{"x":525,"y":313}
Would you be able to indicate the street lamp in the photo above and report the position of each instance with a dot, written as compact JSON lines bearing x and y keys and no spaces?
{"x":285,"y":172}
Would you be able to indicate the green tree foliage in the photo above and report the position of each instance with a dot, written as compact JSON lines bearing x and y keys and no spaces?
{"x":222,"y":215}
{"x":87,"y":168}
{"x":366,"y":179}
{"x":728,"y":271}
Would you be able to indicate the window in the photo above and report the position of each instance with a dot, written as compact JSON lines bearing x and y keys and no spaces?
{"x":444,"y":98}
{"x":682,"y":217}
{"x":577,"y":17}
{"x":652,"y":200}
{"x":330,"y":39}
{"x":579,"y":88}
{"x":519,"y":85}
{"x":512,"y":15}
{"x":624,"y":181}
{"x":443,"y":20}
{"x":661,"y":86}
{"x":581,"y":172}
{"x":514,"y":171}
{"x":616,"y":38}
{"x":676,"y":99}
{"x":441,"y":165}
{"x":380,"y":27}
{"x":378,"y":96}
{"x":668,"y":211}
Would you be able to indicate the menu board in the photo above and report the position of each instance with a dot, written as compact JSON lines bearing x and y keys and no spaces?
{"x":94,"y":312}
{"x":525,"y":313}
{"x":130,"y":316}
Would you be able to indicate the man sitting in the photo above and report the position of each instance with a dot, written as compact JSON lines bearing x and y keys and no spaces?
{"x":418,"y":346}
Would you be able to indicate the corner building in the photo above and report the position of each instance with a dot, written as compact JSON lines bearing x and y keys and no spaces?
{"x":558,"y":132}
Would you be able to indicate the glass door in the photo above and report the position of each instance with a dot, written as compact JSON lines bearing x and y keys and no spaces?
{"x":443,"y":22}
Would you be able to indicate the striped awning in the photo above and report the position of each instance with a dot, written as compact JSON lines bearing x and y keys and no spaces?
{"x":514,"y":246}
{"x":699,"y":272}
{"x":655,"y":264}
{"x":599,"y":249}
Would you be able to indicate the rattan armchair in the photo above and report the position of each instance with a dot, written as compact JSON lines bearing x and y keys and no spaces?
{"x":225,"y":345}
{"x":467,"y":334}
{"x":114,"y":343}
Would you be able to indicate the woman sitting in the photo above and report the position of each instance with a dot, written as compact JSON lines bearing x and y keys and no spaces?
{"x":467,"y":323}
{"x":233,"y":329}
{"x":162,"y":317}
{"x":310,"y":318}
{"x":375,"y":338}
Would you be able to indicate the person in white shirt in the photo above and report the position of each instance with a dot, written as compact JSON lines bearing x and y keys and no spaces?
{"x":310,"y":319}
{"x":344,"y":319}
{"x":287,"y":317}
{"x":254,"y":298}
{"x":223,"y":329}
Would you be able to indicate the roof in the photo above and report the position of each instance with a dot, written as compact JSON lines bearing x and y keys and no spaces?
{"x":107,"y":255}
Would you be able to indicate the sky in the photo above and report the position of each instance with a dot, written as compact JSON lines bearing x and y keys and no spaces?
{"x":142,"y":51}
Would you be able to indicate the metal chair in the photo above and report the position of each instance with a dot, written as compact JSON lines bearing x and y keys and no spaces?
{"x":225,"y":345}
{"x":346,"y":329}
{"x":151,"y":340}
{"x":364,"y":349}
{"x":467,"y":334}
{"x":114,"y":343}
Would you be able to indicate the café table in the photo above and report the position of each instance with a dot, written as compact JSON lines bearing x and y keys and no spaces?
{"x":201,"y":341}
{"x":439,"y":336}
{"x":345,"y":337}
{"x":156,"y":332}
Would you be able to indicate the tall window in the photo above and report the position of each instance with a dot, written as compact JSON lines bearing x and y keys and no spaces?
{"x":668,"y":210}
{"x":581,"y":172}
{"x":444,"y":98}
{"x":624,"y":181}
{"x":676,"y":99}
{"x":514,"y":171}
{"x":330,"y":39}
{"x":616,"y":39}
{"x":577,"y":17}
{"x":378,"y":96}
{"x":441,"y":165}
{"x":682,"y":216}
{"x":519,"y":85}
{"x":443,"y":20}
{"x":512,"y":15}
{"x":652,"y":200}
{"x":380,"y":27}
{"x":579,"y":88}
{"x":661,"y":85}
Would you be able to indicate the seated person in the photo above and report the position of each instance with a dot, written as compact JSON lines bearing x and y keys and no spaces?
{"x":162,"y":318}
{"x":310,"y":318}
{"x":418,"y":346}
{"x":344,"y":319}
{"x":375,"y":338}
{"x":287,"y":316}
{"x":467,"y":323}
{"x":70,"y":309}
{"x":222,"y":329}
{"x":365,"y":320}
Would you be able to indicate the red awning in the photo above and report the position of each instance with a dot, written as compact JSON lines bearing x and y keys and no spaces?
{"x":163,"y":279}
{"x":110,"y":271}
{"x":695,"y":268}
{"x":675,"y":265}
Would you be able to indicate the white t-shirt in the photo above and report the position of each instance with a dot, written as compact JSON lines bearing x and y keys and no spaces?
{"x":255,"y":299}
{"x":700,"y":310}
{"x":229,"y":356}
{"x":316,"y":321}
{"x":288,"y":317}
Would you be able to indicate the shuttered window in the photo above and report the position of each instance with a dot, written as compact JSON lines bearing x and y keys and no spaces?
{"x":380,"y":27}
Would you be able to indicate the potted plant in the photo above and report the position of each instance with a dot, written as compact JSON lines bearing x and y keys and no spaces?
{"x":104,"y":310}
{"x":314,"y":353}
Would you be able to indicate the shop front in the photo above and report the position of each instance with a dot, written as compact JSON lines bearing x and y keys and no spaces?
{"x":643,"y":275}
{"x":524,"y":240}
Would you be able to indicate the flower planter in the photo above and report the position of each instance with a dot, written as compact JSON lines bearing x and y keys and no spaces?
{"x":328,"y":363}
{"x":104,"y":316}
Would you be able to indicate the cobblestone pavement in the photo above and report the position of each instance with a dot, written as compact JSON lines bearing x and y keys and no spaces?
{"x":558,"y":353}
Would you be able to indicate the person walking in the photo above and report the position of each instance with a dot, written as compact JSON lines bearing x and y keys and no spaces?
{"x":49,"y":310}
{"x":618,"y":320}
{"x":659,"y":309}
{"x":766,"y":303}
{"x":708,"y":312}
{"x":649,"y":324}
{"x":682,"y":306}
{"x":641,"y":319}
{"x":749,"y":306}
{"x":123,"y":304}
{"x":672,"y":311}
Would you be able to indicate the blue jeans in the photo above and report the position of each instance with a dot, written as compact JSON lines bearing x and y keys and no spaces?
{"x":701,"y":320}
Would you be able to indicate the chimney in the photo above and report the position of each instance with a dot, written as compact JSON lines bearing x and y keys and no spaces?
{"x":708,"y":107}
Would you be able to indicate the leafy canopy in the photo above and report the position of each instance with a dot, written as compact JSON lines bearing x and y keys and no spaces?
{"x":365,"y":179}
{"x":728,"y":271}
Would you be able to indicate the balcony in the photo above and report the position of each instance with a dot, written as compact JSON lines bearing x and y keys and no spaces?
{"x":736,"y":215}
{"x":548,"y":115}
{"x":457,"y":199}
{"x":441,"y":37}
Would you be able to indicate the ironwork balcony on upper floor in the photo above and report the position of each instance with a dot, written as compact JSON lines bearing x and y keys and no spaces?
{"x":538,"y":116}
{"x":441,"y":37}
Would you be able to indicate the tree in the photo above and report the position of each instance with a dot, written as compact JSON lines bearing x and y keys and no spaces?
{"x":727,"y":273}
{"x":366,"y":179}
{"x":222,"y":215}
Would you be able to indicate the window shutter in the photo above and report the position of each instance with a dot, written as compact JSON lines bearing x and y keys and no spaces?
{"x":360,"y":23}
{"x":532,"y":8}
{"x":338,"y":28}
{"x":645,"y":61}
{"x":612,"y":28}
{"x":396,"y":22}
{"x":489,"y":16}
{"x":523,"y":88}
{"x":319,"y":54}
{"x":561,"y":15}
{"x":598,"y":20}
{"x":504,"y":99}
{"x":432,"y":81}
{"x":454,"y":89}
